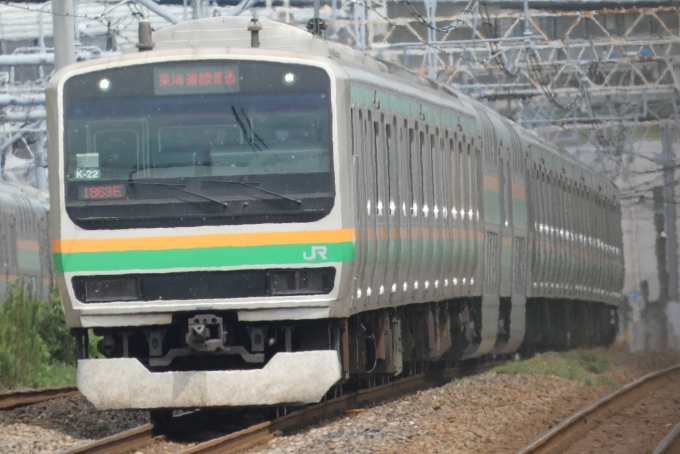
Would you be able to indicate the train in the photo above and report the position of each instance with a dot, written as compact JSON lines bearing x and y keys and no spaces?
{"x":252,"y":215}
{"x":25,"y":256}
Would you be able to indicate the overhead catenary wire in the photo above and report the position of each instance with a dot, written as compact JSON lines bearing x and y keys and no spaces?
{"x":455,"y":23}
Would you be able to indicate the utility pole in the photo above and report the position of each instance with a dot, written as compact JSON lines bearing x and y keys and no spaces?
{"x":671,"y":215}
{"x":657,"y":313}
{"x":63,"y":22}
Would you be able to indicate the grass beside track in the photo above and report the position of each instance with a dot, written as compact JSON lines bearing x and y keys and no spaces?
{"x":36,"y":349}
{"x":585,"y":366}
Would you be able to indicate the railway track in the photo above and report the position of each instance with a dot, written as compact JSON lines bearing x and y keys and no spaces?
{"x":670,"y":444}
{"x":14,"y":399}
{"x":563,"y":435}
{"x":259,"y":433}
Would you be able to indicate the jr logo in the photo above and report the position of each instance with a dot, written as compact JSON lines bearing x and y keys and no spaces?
{"x":320,"y":250}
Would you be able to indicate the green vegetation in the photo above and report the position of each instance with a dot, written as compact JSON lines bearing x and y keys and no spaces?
{"x":36,"y":349}
{"x":585,"y":366}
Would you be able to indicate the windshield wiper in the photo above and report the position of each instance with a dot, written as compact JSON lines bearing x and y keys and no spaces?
{"x":246,"y":131}
{"x":251,"y":185}
{"x":223,"y":204}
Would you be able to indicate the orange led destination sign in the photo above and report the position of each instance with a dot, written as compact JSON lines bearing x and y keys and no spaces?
{"x":195,"y":80}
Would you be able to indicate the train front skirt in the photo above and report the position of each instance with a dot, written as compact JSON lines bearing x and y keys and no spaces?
{"x":290,"y":378}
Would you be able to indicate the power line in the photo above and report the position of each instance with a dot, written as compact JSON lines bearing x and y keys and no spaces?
{"x":455,"y":23}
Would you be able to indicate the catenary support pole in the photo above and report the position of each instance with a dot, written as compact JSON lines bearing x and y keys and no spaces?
{"x":64,"y":36}
{"x":658,"y":314}
{"x":671,"y":214}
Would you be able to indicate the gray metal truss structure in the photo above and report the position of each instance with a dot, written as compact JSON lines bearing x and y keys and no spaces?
{"x":589,"y":79}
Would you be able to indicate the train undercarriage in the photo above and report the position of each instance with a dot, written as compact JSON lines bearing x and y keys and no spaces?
{"x":302,"y":359}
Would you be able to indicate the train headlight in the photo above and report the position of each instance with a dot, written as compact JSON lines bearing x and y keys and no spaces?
{"x":104,"y":84}
{"x":103,"y":290}
{"x":300,"y":282}
{"x":289,"y":79}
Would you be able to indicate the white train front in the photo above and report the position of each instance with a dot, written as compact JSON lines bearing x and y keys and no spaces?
{"x":252,"y":226}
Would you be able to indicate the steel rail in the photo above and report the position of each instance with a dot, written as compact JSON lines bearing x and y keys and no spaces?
{"x":122,"y":442}
{"x":575,"y":426}
{"x":265,"y":431}
{"x":14,"y":399}
{"x":670,"y":444}
{"x":137,"y":438}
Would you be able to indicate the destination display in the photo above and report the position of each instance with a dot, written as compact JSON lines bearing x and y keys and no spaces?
{"x":195,"y":80}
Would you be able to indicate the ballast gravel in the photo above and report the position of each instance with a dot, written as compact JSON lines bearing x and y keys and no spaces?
{"x":59,"y":424}
{"x":490,"y":413}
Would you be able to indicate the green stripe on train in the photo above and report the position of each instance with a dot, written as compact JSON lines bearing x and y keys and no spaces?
{"x":285,"y":254}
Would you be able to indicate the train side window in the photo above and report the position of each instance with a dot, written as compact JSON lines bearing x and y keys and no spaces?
{"x":391,"y":168}
{"x":433,"y":172}
{"x":11,"y":241}
{"x":454,"y":186}
{"x":471,"y":179}
{"x":369,"y":173}
{"x":413,"y":205}
{"x":356,"y":131}
{"x":508,"y":192}
{"x":465,"y":181}
{"x":502,"y":194}
{"x":424,"y":186}
{"x":379,"y":168}
{"x":548,"y":195}
{"x":428,"y":174}
{"x":416,"y":172}
{"x":402,"y":156}
{"x":443,"y":194}
{"x":543,"y":195}
{"x":480,"y":181}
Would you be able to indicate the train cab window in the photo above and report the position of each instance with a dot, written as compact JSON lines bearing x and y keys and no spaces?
{"x":142,"y":153}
